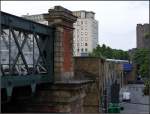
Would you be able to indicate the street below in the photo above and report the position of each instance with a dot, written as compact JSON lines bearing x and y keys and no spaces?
{"x":139,"y":103}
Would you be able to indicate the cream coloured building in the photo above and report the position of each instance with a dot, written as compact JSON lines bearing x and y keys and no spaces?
{"x":85,"y":33}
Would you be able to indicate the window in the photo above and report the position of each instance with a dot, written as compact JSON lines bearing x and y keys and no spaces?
{"x":81,"y":22}
{"x":86,"y":44}
{"x":3,"y":59}
{"x":85,"y":22}
{"x":86,"y":39}
{"x":77,"y":31}
{"x":77,"y":50}
{"x":86,"y":50}
{"x":82,"y":50}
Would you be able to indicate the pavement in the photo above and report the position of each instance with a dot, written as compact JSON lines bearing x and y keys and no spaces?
{"x":139,"y":103}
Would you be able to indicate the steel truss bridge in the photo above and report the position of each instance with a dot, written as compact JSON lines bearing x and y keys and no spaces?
{"x":26,"y":53}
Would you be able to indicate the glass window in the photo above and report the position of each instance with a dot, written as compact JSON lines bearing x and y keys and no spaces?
{"x":86,"y":38}
{"x":86,"y":44}
{"x":82,"y":50}
{"x":86,"y":49}
{"x":85,"y":22}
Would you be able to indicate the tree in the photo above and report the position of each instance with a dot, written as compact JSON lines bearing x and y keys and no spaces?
{"x":107,"y":52}
{"x":142,"y":58}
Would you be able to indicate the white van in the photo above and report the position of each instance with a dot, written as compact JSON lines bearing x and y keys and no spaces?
{"x":126,"y":97}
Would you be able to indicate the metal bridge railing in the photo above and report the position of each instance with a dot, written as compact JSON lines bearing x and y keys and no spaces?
{"x":26,"y":52}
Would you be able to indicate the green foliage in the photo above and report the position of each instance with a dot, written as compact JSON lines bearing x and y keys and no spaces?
{"x":107,"y":52}
{"x":147,"y":83}
{"x":146,"y":87}
{"x":142,"y":58}
{"x":147,"y":35}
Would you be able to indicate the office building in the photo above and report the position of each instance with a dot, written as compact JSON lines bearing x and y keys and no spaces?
{"x":85,"y":33}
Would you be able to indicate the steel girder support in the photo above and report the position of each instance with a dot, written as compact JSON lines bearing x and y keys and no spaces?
{"x":24,"y":24}
{"x":45,"y":44}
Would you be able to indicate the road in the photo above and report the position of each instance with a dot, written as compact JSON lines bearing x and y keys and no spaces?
{"x":139,"y":104}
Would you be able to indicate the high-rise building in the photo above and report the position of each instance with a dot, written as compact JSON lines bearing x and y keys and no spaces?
{"x":85,"y":37}
{"x":143,"y":36}
{"x":85,"y":33}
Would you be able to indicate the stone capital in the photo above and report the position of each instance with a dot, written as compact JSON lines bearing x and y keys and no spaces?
{"x":60,"y":15}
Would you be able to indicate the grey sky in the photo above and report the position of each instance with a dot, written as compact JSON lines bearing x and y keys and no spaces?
{"x":117,"y":19}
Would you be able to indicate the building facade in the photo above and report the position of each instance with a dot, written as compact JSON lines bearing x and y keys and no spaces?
{"x":143,"y":36}
{"x":85,"y":33}
{"x":39,"y":18}
{"x":85,"y":36}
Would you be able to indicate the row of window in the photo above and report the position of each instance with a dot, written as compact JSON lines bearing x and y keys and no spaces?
{"x":82,"y":50}
{"x":84,"y":27}
{"x":81,"y":22}
{"x":86,"y":33}
{"x":82,"y":39}
{"x":82,"y":44}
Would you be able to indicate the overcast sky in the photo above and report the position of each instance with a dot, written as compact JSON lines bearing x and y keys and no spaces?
{"x":117,"y":19}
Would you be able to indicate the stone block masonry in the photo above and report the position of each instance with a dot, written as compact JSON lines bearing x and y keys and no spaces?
{"x":143,"y":36}
{"x":63,"y":20}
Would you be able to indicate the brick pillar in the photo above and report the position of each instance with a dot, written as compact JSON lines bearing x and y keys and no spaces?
{"x":63,"y":20}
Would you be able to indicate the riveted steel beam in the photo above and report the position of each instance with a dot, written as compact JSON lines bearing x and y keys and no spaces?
{"x":24,"y":24}
{"x":45,"y":44}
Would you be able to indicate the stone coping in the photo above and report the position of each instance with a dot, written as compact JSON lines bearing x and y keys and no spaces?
{"x":73,"y":82}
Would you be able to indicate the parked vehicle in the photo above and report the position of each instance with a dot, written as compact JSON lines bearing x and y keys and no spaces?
{"x":126,"y":97}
